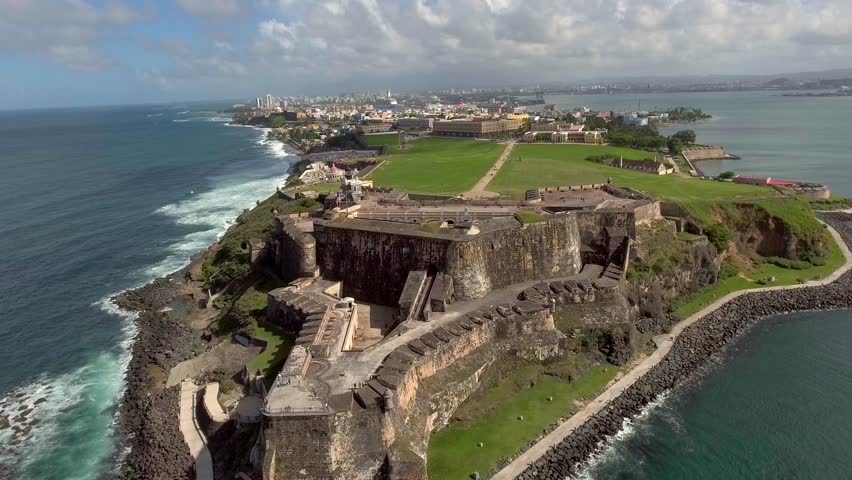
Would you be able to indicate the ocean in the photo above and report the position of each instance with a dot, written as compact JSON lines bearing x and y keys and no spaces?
{"x":774,"y":405}
{"x":92,"y":202}
{"x":787,"y":138}
{"x":95,"y":201}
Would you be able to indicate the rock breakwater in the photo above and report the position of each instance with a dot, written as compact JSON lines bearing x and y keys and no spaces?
{"x":690,"y":351}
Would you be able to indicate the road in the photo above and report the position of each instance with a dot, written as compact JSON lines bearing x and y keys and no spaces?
{"x":478,"y":190}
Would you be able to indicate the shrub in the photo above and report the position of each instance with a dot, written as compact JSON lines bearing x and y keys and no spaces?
{"x":719,"y":236}
{"x":227,"y":386}
{"x":728,"y":270}
{"x":787,"y":263}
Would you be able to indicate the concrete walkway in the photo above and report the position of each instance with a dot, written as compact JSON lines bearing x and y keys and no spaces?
{"x":664,"y":345}
{"x":192,"y":434}
{"x":478,"y":190}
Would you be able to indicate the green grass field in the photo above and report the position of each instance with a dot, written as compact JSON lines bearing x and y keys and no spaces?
{"x":454,"y":452}
{"x":437,"y":165}
{"x":534,"y":166}
{"x":376,"y":139}
{"x":278,"y":345}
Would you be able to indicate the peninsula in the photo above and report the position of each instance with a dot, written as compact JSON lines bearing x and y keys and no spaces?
{"x":413,"y":306}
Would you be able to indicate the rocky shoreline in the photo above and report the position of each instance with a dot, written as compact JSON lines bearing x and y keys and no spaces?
{"x":690,"y":352}
{"x":148,"y":413}
{"x":166,"y":309}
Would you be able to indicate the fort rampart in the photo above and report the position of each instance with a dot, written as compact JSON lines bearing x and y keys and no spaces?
{"x":373,"y":259}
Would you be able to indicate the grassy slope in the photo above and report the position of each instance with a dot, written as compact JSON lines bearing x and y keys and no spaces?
{"x":278,"y":347}
{"x":436,"y":165}
{"x":454,"y":452}
{"x":533,"y":166}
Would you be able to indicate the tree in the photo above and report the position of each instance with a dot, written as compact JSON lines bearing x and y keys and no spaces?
{"x":728,"y":174}
{"x":594,"y":123}
{"x":686,"y":137}
{"x":675,"y":145}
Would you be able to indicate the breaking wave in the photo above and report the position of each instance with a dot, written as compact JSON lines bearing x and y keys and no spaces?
{"x":76,"y":411}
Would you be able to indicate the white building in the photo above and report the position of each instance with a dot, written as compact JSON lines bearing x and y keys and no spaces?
{"x":634,"y":120}
{"x":268,"y":101}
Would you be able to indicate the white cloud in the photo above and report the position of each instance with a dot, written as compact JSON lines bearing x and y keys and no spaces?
{"x":444,"y":41}
{"x":65,"y":31}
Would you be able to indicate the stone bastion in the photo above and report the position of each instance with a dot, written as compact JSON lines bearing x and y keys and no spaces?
{"x":341,"y":411}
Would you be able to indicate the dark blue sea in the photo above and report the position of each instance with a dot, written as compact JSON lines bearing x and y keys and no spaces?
{"x":92,"y":202}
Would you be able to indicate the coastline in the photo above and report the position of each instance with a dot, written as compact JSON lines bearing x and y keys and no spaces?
{"x":680,"y":354}
{"x":170,"y":326}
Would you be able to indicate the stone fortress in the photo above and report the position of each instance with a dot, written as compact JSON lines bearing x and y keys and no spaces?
{"x":401,"y":301}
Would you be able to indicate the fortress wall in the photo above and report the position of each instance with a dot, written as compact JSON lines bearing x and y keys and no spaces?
{"x":373,"y":266}
{"x":346,"y":444}
{"x":501,"y":258}
{"x":295,"y":251}
{"x":704,"y":153}
{"x":592,"y":223}
{"x":483,"y":331}
{"x":298,"y":443}
{"x":647,"y":212}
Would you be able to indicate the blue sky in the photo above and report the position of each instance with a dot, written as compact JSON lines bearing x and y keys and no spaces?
{"x":86,"y":52}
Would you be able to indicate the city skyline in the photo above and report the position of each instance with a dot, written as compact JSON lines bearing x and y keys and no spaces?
{"x":114,"y":52}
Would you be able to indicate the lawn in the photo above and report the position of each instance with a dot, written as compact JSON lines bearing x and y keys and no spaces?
{"x":376,"y":139}
{"x":751,"y":278}
{"x":534,"y":166}
{"x":454,"y":451}
{"x":437,"y":165}
{"x":278,"y":345}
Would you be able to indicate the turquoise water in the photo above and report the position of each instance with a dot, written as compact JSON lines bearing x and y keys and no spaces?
{"x":788,"y":138}
{"x":776,"y":405}
{"x":94,"y":201}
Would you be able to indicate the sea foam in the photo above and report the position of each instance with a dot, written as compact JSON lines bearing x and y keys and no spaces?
{"x":81,"y":404}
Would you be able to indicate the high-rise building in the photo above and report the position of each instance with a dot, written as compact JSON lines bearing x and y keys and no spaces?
{"x":388,"y":96}
{"x":268,"y":101}
{"x":259,"y":102}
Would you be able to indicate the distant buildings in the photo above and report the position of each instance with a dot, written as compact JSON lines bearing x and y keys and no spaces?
{"x":635,"y":121}
{"x":416,"y":123}
{"x":557,"y":132}
{"x":478,"y":128}
{"x":373,"y":127}
{"x":268,"y":101}
{"x":752,"y":180}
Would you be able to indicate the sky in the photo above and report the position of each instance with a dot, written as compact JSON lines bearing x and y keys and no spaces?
{"x":95,"y":52}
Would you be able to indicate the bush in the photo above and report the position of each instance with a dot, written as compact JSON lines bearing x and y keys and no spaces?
{"x":728,"y":174}
{"x":227,"y":386}
{"x":787,"y":263}
{"x":728,"y":270}
{"x":719,"y":236}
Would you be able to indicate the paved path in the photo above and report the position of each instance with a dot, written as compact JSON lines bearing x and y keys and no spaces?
{"x":664,"y":345}
{"x":192,"y":434}
{"x":478,"y":190}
